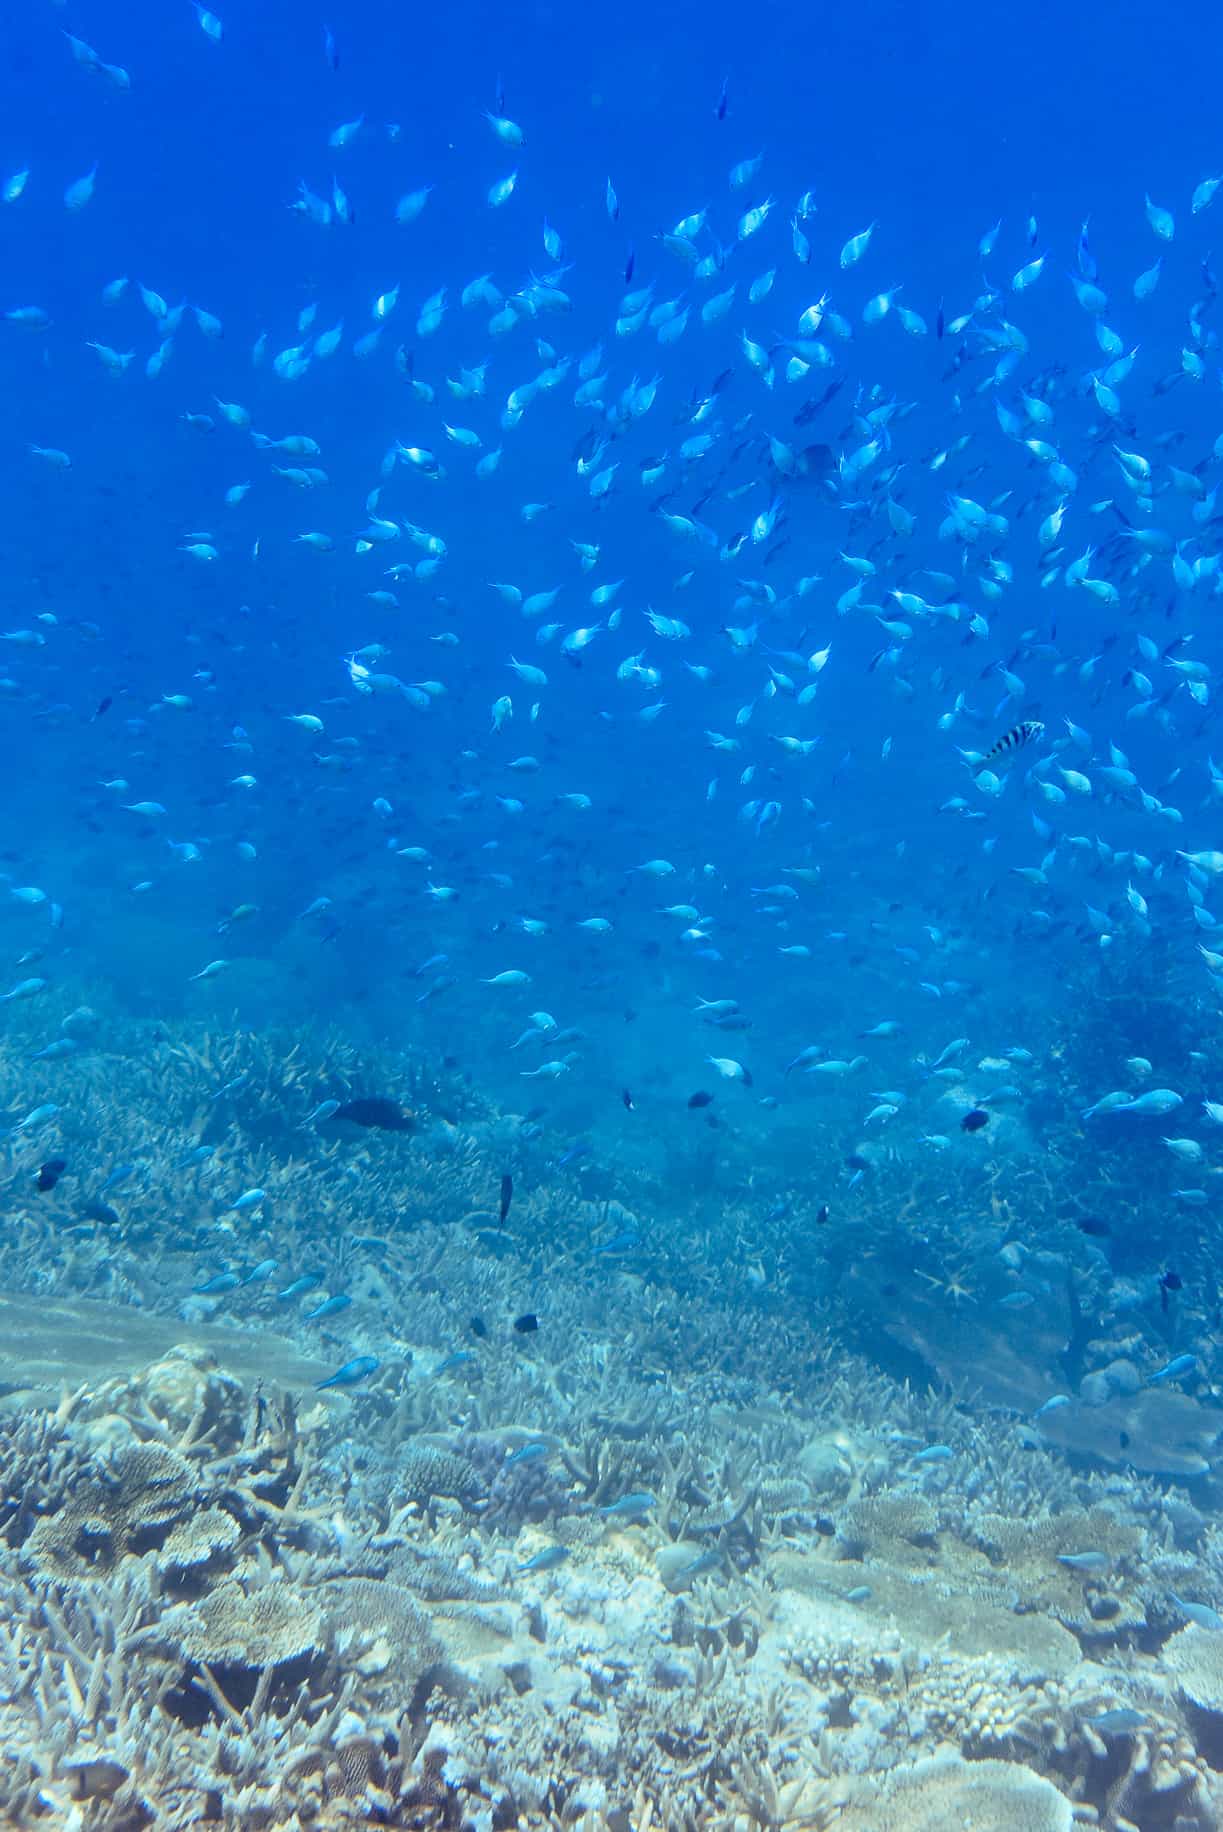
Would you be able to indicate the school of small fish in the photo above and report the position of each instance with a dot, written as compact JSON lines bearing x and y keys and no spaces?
{"x":571,"y":654}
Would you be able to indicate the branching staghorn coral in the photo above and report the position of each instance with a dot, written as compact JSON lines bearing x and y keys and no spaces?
{"x":41,"y":1464}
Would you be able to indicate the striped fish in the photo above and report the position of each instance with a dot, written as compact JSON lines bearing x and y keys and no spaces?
{"x":1026,"y":732}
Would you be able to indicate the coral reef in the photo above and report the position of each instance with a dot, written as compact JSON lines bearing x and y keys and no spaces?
{"x":1194,"y":1657}
{"x":945,"y":1791}
{"x":235,"y":1627}
{"x":132,"y":1502}
{"x":700,"y":1551}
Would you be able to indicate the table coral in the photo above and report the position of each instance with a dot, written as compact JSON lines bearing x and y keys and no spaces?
{"x":131,"y":1502}
{"x":944,"y":1791}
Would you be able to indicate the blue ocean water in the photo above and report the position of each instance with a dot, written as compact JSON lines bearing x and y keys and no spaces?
{"x":736,"y":739}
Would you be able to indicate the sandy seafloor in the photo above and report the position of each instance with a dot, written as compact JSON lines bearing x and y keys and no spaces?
{"x":673,"y":1558}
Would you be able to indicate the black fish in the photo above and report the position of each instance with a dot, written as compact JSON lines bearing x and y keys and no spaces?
{"x":1093,"y":1224}
{"x":630,"y":265}
{"x":700,"y":1098}
{"x":376,"y":1111}
{"x":50,"y":1173}
{"x":477,"y":1326}
{"x":720,"y":110}
{"x":507,"y":1196}
{"x":626,"y":1095}
{"x":526,"y":1323}
{"x":822,"y":1214}
{"x":974,"y":1120}
{"x":1169,"y":1281}
{"x":104,"y":705}
{"x":97,"y":1210}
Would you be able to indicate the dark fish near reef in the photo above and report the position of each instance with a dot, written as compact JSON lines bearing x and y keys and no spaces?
{"x":1175,"y":1369}
{"x":697,"y":1567}
{"x":455,"y":1359}
{"x":199,"y":1154}
{"x":265,"y":1269}
{"x":220,"y":1281}
{"x":1026,"y":732}
{"x":507,"y":1196}
{"x":330,"y":1307}
{"x":628,"y":1507}
{"x":359,"y":1368}
{"x":325,"y":1110}
{"x":547,"y":1560}
{"x":534,"y":1452}
{"x":1119,"y":1721}
{"x":700,"y":1099}
{"x":527,"y":1323}
{"x":119,"y":1175}
{"x":234,"y":1086}
{"x":377,"y":1113}
{"x":1201,"y":1613}
{"x":1091,"y":1563}
{"x":97,"y":1210}
{"x":49,"y":1174}
{"x":623,"y":1242}
{"x":974,"y":1120}
{"x":306,"y":1282}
